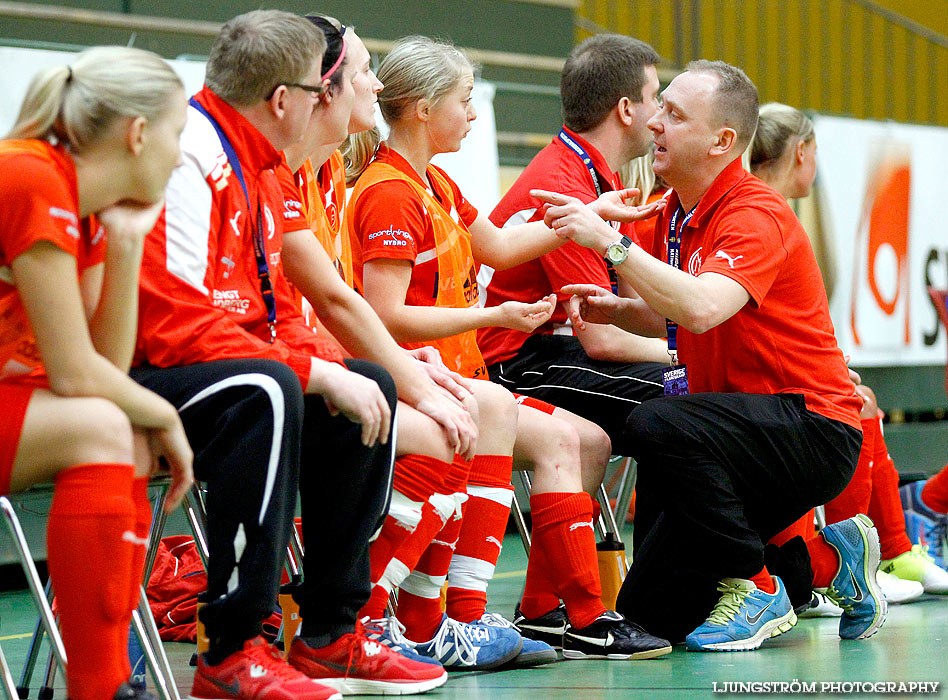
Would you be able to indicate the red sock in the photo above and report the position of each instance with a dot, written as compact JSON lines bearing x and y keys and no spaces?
{"x":824,"y":560}
{"x":764,"y":581}
{"x":403,"y":557}
{"x":802,"y":528}
{"x":935,"y":492}
{"x":564,"y":544}
{"x":597,"y":509}
{"x":885,"y":506}
{"x":142,"y":530}
{"x":91,"y":565}
{"x":857,"y":494}
{"x":482,"y":535}
{"x":419,"y":602}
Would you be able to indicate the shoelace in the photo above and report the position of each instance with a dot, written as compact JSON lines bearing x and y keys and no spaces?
{"x":390,"y":627}
{"x":466,"y":651}
{"x":841,"y":601}
{"x":727,"y":606}
{"x":496,"y":620}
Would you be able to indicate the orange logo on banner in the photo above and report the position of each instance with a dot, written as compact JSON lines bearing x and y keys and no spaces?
{"x":887,"y":211}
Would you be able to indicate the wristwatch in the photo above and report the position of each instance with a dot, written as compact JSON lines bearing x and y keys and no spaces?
{"x":617,"y":252}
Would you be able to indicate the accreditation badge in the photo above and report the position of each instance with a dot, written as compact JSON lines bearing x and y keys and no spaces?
{"x":675,"y":380}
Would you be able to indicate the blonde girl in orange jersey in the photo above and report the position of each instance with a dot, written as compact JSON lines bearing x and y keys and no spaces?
{"x":417,"y":240}
{"x":98,"y":137}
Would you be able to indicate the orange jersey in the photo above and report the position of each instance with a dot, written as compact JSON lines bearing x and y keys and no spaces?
{"x":39,"y":201}
{"x":456,"y":279}
{"x":324,"y":203}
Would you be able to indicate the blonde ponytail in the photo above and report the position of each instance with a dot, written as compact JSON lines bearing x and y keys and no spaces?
{"x":76,"y":104}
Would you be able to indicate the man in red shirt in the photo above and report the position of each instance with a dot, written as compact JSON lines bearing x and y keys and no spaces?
{"x":221,"y":337}
{"x":760,"y":421}
{"x":608,"y":87}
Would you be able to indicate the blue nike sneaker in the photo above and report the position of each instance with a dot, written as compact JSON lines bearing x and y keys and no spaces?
{"x":743,"y":618}
{"x":924,"y":526}
{"x":855,"y":588}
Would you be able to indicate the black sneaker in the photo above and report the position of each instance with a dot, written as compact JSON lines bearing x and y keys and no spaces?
{"x":611,"y":636}
{"x":133,"y":691}
{"x":547,"y":628}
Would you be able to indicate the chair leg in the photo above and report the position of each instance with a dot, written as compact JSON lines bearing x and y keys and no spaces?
{"x":32,"y":655}
{"x":626,"y":488}
{"x":517,"y":511}
{"x":197,"y":519}
{"x":6,"y":679}
{"x":32,"y":578}
{"x":608,"y":516}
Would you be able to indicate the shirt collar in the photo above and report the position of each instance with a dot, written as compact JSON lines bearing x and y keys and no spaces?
{"x":726,"y":180}
{"x":255,"y":151}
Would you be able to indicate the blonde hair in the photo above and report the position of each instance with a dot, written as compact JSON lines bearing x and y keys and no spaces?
{"x":777,"y":127}
{"x":638,"y":173}
{"x":76,"y":104}
{"x":257,"y":51}
{"x":417,"y":68}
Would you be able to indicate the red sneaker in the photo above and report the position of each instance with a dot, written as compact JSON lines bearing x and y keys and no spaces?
{"x":257,"y":672}
{"x":356,"y":665}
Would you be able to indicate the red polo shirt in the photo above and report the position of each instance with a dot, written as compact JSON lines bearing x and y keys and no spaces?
{"x":782,"y":340}
{"x":558,"y":169}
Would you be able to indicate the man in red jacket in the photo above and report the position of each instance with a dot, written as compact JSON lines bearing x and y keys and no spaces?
{"x":258,"y":392}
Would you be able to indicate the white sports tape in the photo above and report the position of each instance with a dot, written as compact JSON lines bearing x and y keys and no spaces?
{"x":444,"y":504}
{"x":406,"y":511}
{"x":503,"y":496}
{"x":394,"y":574}
{"x":470,"y":573}
{"x":423,"y":585}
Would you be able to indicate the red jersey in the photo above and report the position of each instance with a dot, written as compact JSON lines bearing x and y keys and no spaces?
{"x":200,"y":298}
{"x":39,"y":201}
{"x":782,"y":340}
{"x":556,"y":168}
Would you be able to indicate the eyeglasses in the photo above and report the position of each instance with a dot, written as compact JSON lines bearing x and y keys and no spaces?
{"x":314,"y":89}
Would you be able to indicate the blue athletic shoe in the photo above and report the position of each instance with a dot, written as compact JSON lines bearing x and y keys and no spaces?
{"x":462,"y":647}
{"x":855,"y":588}
{"x":743,"y":617}
{"x":924,"y":526}
{"x":533,"y":653}
{"x":390,"y":632}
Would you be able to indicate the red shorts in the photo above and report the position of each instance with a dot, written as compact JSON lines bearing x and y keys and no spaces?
{"x":534,"y":403}
{"x":14,"y":398}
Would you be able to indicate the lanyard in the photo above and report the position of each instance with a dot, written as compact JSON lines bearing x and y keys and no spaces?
{"x":674,"y":259}
{"x":259,"y":248}
{"x":571,"y":144}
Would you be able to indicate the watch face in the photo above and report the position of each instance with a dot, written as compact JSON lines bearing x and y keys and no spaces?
{"x":616,"y":253}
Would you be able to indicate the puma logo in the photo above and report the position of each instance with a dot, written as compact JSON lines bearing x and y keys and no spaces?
{"x":494,"y":540}
{"x":576,"y":526}
{"x":724,"y":256}
{"x":233,"y":223}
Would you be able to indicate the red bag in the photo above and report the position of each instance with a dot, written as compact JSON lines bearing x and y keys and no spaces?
{"x":176,"y":580}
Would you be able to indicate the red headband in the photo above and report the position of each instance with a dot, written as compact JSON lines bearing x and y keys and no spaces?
{"x":335,"y":66}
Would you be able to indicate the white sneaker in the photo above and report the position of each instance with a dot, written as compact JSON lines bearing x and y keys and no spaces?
{"x":918,"y":565}
{"x":821,"y":606}
{"x":899,"y":590}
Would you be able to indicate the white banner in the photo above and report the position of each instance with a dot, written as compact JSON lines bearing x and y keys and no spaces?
{"x":475,"y":167}
{"x":882,"y":187}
